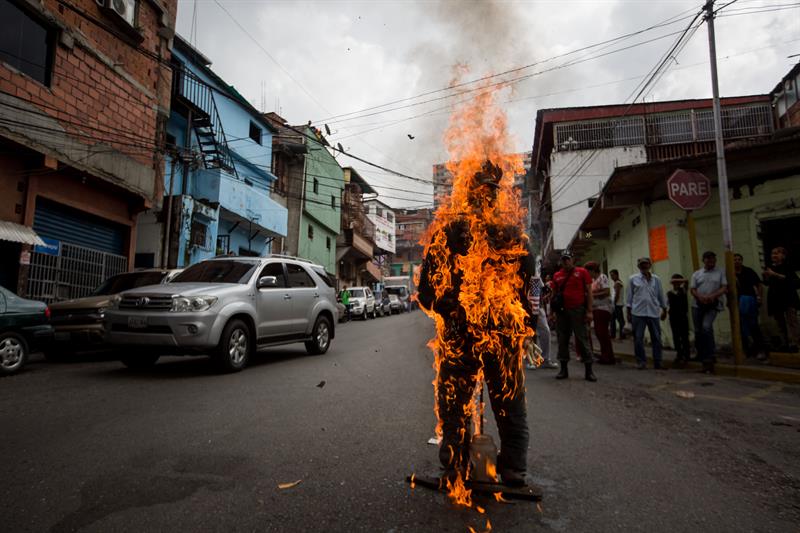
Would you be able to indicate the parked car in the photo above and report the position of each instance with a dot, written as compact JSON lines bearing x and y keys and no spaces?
{"x":401,"y":291}
{"x":78,"y":323}
{"x":24,"y":327}
{"x":226,"y":307}
{"x":382,"y":305}
{"x":395,"y":304}
{"x":362,"y":302}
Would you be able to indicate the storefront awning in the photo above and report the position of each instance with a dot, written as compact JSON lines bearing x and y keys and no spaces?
{"x":11,"y":231}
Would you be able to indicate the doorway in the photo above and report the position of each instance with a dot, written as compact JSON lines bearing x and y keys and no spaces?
{"x":781,"y":232}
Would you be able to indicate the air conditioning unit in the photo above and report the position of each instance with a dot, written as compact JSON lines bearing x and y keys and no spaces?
{"x":123,"y":9}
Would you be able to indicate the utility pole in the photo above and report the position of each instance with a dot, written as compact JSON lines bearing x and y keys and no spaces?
{"x":722,"y":183}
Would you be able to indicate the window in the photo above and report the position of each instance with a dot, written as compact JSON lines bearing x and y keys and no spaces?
{"x":389,"y":216}
{"x":333,"y":202}
{"x":328,"y":243}
{"x":255,"y":132}
{"x":311,"y":232}
{"x":316,"y":186}
{"x":217,"y":271}
{"x":298,"y":277}
{"x":25,"y":43}
{"x":199,"y":236}
{"x":275,"y":269}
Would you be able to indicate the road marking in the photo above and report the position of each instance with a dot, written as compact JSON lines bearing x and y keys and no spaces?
{"x":766,"y":391}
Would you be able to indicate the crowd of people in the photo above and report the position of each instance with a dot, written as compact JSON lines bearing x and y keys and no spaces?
{"x":574,"y":298}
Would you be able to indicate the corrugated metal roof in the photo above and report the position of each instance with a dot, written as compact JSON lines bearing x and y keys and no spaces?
{"x":11,"y":231}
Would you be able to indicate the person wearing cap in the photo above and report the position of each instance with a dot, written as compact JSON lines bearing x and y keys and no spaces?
{"x":571,"y":301}
{"x":708,"y":286}
{"x":602,"y":307}
{"x":646,"y":304}
{"x":749,"y":290}
{"x":678,"y":300}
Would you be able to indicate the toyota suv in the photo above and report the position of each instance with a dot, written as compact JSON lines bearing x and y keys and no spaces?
{"x":227,"y":307}
{"x":362,"y":302}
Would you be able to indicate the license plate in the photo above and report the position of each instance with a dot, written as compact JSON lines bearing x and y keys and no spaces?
{"x":137,"y":322}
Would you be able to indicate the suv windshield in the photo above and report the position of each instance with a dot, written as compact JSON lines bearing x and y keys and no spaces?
{"x":217,"y":271}
{"x":128,"y":281}
{"x":356,"y":293}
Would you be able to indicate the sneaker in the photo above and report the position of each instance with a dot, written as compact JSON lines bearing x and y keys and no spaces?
{"x":550,"y":364}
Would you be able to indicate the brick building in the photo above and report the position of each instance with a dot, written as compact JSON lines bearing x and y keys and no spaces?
{"x":411,"y":225}
{"x":84,"y":96}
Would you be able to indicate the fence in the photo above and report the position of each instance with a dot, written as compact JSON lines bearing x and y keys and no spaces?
{"x":74,"y":272}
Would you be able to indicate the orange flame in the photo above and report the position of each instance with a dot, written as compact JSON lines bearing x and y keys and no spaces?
{"x":490,"y":284}
{"x":413,"y":483}
{"x":487,"y":530}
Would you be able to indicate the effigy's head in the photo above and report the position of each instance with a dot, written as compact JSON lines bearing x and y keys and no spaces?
{"x":485,"y":185}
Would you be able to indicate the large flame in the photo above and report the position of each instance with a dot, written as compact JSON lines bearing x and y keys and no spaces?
{"x":490,"y":287}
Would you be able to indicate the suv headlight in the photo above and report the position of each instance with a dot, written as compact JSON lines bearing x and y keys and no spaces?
{"x":115,"y":302}
{"x":192,"y":303}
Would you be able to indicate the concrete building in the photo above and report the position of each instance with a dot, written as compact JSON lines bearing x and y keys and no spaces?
{"x":411,"y":225}
{"x":355,"y":245}
{"x":218,"y":173}
{"x":311,"y":184}
{"x":576,"y":150}
{"x":786,"y":99}
{"x":383,"y":218}
{"x":84,"y":99}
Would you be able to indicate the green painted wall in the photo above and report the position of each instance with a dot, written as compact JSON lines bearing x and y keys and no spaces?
{"x":629,"y":238}
{"x":318,"y":207}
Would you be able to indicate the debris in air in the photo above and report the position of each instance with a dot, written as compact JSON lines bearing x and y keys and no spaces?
{"x":284,"y":486}
{"x":321,"y":384}
{"x":435,"y":441}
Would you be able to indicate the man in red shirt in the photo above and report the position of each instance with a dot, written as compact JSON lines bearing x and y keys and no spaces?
{"x":572,"y":304}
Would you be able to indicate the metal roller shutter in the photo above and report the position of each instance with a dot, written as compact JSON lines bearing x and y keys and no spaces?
{"x":66,"y":224}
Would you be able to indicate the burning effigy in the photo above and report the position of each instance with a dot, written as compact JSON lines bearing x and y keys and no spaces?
{"x":473,"y":283}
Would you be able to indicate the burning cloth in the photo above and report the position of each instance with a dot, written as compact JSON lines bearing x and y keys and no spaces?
{"x":474,"y":283}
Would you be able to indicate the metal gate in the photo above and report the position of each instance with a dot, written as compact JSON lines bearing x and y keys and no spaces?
{"x":73,"y":272}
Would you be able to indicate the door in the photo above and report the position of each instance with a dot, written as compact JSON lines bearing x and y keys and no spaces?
{"x":273,"y":303}
{"x":305,"y":294}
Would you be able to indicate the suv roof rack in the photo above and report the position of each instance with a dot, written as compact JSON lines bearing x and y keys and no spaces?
{"x":284,"y":256}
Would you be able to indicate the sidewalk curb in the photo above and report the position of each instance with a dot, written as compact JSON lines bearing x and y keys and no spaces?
{"x":784,"y":375}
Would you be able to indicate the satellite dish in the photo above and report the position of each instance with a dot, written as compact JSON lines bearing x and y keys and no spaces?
{"x":339,"y":146}
{"x":327,"y":129}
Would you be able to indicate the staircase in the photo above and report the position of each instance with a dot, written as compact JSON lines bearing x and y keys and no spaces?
{"x":198,"y":97}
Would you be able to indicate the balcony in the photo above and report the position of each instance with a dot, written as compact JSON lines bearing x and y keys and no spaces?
{"x":246,"y":202}
{"x":667,"y":135}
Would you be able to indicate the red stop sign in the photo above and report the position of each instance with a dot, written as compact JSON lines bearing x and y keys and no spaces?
{"x":689,"y":189}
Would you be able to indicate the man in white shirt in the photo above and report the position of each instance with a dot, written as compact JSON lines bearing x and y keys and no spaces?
{"x":708,"y":286}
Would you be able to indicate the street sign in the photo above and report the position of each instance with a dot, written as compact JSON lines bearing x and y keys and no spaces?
{"x":689,"y":189}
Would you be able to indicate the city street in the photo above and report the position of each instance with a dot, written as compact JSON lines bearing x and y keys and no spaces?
{"x":92,"y":446}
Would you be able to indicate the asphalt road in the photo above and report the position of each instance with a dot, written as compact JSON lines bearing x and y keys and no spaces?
{"x":91,"y":446}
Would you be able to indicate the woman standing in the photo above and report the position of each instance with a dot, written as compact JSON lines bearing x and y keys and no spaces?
{"x":602,"y":307}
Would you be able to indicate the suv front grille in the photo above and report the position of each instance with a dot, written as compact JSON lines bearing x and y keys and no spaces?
{"x":151,"y":303}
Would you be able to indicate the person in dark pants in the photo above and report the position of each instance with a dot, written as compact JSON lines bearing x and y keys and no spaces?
{"x":678,"y":301}
{"x":618,"y":298}
{"x":749,"y":291}
{"x":782,"y":300}
{"x":572,"y":304}
{"x":708,"y":286}
{"x":646,"y":304}
{"x":469,"y":346}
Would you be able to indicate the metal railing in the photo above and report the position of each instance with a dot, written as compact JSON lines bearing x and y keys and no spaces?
{"x":201,"y":97}
{"x":74,"y":272}
{"x":689,"y":126}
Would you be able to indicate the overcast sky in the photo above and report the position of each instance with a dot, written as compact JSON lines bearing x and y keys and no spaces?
{"x":330,"y":58}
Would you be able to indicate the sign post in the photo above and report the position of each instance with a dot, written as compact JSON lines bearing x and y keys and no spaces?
{"x":689,"y":190}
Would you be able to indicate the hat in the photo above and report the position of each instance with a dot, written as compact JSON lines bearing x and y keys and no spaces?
{"x":677,"y":278}
{"x":643,"y":260}
{"x":592,"y":265}
{"x":566,"y":254}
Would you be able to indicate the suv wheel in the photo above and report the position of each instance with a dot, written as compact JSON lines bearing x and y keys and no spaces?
{"x":320,"y":336}
{"x":138,"y":361}
{"x":234,"y":347}
{"x":13,"y":353}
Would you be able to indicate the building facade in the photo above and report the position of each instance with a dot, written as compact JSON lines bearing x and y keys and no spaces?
{"x":383,"y":218}
{"x":355,"y":245}
{"x":84,"y":100}
{"x":219,"y":175}
{"x":411,"y":226}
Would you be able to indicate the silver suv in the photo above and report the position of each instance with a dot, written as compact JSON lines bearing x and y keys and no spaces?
{"x":227,"y":307}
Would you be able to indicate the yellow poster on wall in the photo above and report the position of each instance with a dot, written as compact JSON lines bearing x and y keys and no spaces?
{"x":659,"y":251}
